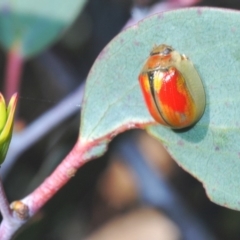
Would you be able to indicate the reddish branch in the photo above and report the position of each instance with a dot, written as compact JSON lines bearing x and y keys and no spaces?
{"x":62,"y":174}
{"x":13,"y":72}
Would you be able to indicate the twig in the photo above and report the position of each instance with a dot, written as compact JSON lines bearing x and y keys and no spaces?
{"x":4,"y":204}
{"x":28,"y":206}
{"x":62,"y":174}
{"x":6,"y":231}
{"x":11,"y":219}
{"x":13,"y":72}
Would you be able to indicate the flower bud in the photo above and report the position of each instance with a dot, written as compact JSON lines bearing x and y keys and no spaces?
{"x":6,"y":124}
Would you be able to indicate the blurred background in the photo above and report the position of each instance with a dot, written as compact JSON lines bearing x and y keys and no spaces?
{"x":135,"y":191}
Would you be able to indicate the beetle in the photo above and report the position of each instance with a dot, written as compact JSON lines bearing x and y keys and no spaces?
{"x":172,"y":88}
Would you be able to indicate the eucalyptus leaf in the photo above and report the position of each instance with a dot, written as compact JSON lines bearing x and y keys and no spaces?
{"x":34,"y":25}
{"x":210,"y":37}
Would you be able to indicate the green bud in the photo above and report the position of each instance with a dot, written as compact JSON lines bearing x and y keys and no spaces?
{"x":6,"y":124}
{"x":3,"y":112}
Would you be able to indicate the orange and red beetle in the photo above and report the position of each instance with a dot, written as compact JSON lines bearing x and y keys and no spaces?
{"x":172,"y":88}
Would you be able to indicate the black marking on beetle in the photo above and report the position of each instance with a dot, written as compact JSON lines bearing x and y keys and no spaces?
{"x":151,"y":83}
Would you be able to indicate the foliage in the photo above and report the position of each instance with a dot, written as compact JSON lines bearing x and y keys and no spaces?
{"x":210,"y":149}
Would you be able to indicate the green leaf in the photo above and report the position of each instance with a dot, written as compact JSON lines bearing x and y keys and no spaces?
{"x":113,"y":102}
{"x":34,"y":25}
{"x":3,"y":112}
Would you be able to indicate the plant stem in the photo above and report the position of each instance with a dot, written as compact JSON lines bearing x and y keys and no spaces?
{"x":13,"y":72}
{"x":9,"y":225}
{"x":4,"y":204}
{"x":62,"y":174}
{"x":6,"y":231}
{"x":34,"y":201}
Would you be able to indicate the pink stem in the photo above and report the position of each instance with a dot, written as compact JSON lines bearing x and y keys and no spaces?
{"x":68,"y":167}
{"x":13,"y":72}
{"x":62,"y":174}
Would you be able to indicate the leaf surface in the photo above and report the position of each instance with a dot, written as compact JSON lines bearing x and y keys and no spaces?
{"x":34,"y":25}
{"x":113,"y":102}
